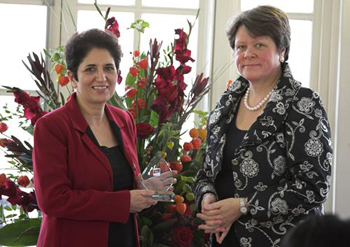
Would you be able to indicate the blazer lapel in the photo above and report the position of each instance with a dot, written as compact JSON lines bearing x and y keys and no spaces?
{"x":275,"y":111}
{"x":79,"y":124}
{"x":120,"y":134}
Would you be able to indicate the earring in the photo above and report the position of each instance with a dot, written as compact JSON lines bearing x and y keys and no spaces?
{"x":281,"y":59}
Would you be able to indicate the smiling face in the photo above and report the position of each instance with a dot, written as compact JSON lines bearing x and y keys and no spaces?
{"x":97,"y":75}
{"x":257,"y":59}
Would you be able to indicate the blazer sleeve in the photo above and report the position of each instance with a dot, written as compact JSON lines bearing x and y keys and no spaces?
{"x":205,"y":178}
{"x":308,"y":164}
{"x":53,"y":187}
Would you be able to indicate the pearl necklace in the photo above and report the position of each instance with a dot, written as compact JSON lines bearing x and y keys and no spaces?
{"x":258,"y":106}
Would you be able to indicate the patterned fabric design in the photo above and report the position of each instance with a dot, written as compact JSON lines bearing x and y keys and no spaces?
{"x":283,"y":164}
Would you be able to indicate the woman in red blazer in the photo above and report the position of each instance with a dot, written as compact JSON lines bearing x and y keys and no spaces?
{"x":85,"y":160}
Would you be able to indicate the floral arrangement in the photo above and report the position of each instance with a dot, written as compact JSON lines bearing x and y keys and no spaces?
{"x":155,"y":96}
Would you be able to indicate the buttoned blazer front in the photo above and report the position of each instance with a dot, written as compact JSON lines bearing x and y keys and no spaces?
{"x":283,"y":164}
{"x":74,"y":181}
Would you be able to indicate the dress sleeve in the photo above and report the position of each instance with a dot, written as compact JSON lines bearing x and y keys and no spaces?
{"x":308,"y":150}
{"x":53,"y":187}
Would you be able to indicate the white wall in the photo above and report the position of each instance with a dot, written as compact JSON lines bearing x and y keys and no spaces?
{"x":342,"y":173}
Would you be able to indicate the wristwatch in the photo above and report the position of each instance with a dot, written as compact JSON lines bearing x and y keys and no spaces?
{"x":243,"y":208}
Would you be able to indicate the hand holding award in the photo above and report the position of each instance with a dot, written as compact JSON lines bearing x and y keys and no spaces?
{"x":159,"y":177}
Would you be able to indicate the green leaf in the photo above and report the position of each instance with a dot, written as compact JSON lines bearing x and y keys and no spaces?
{"x":146,"y":221}
{"x":186,"y":188}
{"x":188,"y":179}
{"x":8,"y":208}
{"x":154,"y":119}
{"x":21,"y":233}
{"x":178,"y":187}
{"x":10,"y":216}
{"x":147,"y":236}
{"x":193,"y":207}
{"x":139,"y":25}
{"x":190,"y":196}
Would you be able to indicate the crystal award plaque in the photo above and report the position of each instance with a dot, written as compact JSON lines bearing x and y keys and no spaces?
{"x":158,"y":176}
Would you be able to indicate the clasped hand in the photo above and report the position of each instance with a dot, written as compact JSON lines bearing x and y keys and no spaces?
{"x":218,"y":216}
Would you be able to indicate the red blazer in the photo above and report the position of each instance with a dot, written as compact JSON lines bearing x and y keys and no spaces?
{"x":74,"y":181}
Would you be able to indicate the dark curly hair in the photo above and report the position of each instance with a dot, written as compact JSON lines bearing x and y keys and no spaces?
{"x":80,"y":44}
{"x":263,"y":21}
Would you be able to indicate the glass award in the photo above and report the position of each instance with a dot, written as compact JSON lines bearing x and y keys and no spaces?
{"x":158,"y":176}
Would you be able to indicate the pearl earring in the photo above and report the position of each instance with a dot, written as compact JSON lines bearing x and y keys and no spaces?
{"x":281,"y":59}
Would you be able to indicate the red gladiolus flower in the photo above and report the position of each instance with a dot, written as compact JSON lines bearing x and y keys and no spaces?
{"x":10,"y":188}
{"x":23,"y":181}
{"x":136,"y":53}
{"x":144,"y":130}
{"x":63,"y":80}
{"x":27,"y":201}
{"x":130,"y":92}
{"x":113,"y":26}
{"x":164,"y":83}
{"x":2,"y":178}
{"x":167,"y":73}
{"x":180,"y":43}
{"x":3,"y":127}
{"x":186,"y":69}
{"x":143,"y":64}
{"x":33,"y":115}
{"x":32,"y":110}
{"x":133,"y":71}
{"x":25,"y":99}
{"x":182,"y":236}
{"x":132,"y":111}
{"x":120,"y":78}
{"x":142,"y":83}
{"x":160,"y":106}
{"x":184,"y":56}
{"x":141,"y":104}
{"x":4,"y":141}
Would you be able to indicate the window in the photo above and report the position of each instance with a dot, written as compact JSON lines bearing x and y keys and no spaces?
{"x":296,"y":6}
{"x":26,"y":33}
{"x":300,"y":17}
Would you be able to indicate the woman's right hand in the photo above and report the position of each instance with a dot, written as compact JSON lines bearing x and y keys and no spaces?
{"x":212,"y":224}
{"x":141,"y":199}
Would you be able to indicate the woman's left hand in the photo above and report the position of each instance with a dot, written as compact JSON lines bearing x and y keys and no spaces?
{"x":227,"y":211}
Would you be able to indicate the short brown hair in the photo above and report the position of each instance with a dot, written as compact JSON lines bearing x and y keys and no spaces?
{"x":263,"y":21}
{"x":80,"y":44}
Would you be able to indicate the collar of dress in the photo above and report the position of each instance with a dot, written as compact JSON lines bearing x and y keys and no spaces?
{"x":267,"y":123}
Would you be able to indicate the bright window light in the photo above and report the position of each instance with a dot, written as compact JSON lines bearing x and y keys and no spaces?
{"x":24,"y":33}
